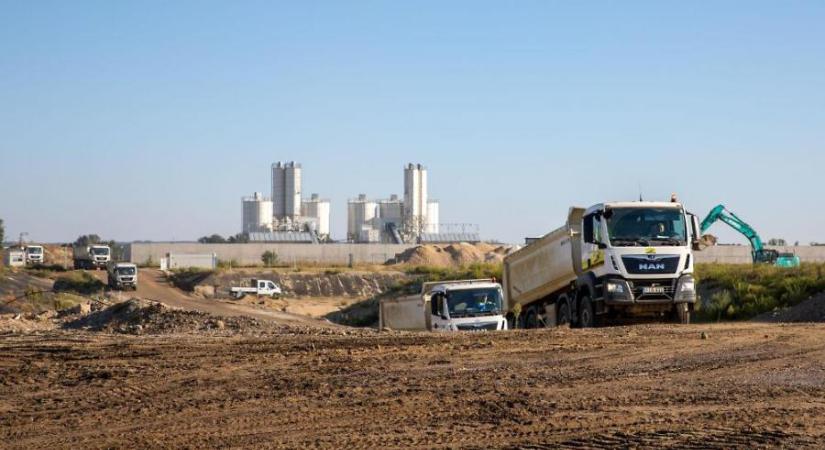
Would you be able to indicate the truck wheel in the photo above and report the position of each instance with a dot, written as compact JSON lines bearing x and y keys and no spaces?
{"x":563,"y":315}
{"x":587,"y":318}
{"x":531,"y":319}
{"x":681,"y":313}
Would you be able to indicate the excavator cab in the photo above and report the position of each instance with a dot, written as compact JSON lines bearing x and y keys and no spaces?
{"x":766,"y":256}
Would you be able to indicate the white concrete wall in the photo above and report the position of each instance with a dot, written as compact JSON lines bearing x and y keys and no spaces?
{"x":736,"y":254}
{"x":250,"y":254}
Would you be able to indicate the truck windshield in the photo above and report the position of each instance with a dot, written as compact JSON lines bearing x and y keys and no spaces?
{"x":100,"y":251}
{"x":474,"y":302}
{"x":34,"y":250}
{"x":646,"y":227}
{"x":125,"y":270}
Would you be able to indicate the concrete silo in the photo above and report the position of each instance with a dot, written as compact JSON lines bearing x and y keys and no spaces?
{"x":361,"y":213}
{"x":432,"y":217}
{"x":286,"y":190}
{"x":257,"y":214}
{"x":317,"y":210}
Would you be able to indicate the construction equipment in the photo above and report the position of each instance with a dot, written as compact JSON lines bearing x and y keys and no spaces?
{"x":34,"y":255}
{"x":462,"y":305}
{"x":610,"y":260}
{"x":91,"y":256}
{"x":760,"y":254}
{"x":122,"y":276}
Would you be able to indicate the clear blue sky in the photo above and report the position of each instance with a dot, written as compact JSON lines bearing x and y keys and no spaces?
{"x":150,"y":119}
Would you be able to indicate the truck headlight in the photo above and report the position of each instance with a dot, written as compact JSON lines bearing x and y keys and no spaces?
{"x":617,"y":289}
{"x":686,"y":289}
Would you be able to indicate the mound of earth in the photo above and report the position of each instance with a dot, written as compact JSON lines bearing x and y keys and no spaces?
{"x":138,"y":316}
{"x":325,"y":284}
{"x":452,"y":255}
{"x":811,"y":310}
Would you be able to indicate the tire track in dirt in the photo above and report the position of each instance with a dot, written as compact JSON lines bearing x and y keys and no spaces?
{"x":752,"y":386}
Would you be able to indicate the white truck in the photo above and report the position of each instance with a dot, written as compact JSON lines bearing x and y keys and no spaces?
{"x":91,"y":256}
{"x":608,"y":261}
{"x":122,"y":275}
{"x":466,"y":305}
{"x":261,"y":288}
{"x":34,"y":255}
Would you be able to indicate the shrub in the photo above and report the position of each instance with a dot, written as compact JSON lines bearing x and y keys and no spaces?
{"x":80,"y":282}
{"x":269,"y":258}
{"x":737,"y":292}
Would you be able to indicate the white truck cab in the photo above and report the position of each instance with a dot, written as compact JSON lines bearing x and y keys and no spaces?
{"x":471,"y":305}
{"x":34,"y":255}
{"x":122,"y":275}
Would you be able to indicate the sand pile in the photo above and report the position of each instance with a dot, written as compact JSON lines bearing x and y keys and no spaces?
{"x":452,"y":255}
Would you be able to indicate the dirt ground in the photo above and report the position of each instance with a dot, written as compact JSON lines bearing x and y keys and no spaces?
{"x":736,"y":385}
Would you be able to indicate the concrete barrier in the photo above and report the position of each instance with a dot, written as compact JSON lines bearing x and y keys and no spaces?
{"x":250,"y":254}
{"x":340,"y":254}
{"x":741,"y":254}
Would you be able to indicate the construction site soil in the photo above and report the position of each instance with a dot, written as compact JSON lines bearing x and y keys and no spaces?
{"x":698,"y":386}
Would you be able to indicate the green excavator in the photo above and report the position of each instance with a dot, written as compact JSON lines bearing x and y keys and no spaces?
{"x":759,"y":252}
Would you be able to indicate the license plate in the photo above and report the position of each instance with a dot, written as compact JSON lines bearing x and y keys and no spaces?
{"x":653,"y":290}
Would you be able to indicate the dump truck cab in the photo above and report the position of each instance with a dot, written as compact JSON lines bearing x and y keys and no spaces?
{"x":472,"y":305}
{"x":34,"y":254}
{"x":636,"y":258}
{"x":122,"y":276}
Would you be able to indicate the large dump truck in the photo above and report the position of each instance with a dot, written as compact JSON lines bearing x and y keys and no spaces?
{"x":612,"y":260}
{"x":122,"y":276}
{"x":465,"y":305}
{"x":91,"y":256}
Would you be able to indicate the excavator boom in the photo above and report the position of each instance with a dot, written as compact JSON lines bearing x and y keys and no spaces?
{"x":759,"y":253}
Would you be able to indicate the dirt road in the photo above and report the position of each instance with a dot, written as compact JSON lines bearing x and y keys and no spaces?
{"x":745,"y":385}
{"x":152,"y":285}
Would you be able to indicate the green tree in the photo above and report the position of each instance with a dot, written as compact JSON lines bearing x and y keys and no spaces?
{"x":269,"y":258}
{"x":2,"y":233}
{"x":87,"y":239}
{"x":240,"y":238}
{"x":214,"y":239}
{"x":777,"y":242}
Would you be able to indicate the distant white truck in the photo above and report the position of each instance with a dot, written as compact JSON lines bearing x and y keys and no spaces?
{"x":261,"y":288}
{"x":122,"y":276}
{"x":91,"y":256}
{"x":34,"y":255}
{"x":464,"y":305}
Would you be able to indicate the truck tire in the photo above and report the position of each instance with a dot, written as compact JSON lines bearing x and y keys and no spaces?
{"x":681,"y":313}
{"x":563,"y":315}
{"x":587,"y":316}
{"x":531,"y":318}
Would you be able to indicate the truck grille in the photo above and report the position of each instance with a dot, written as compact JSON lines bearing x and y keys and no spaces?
{"x":651,"y":264}
{"x":656,"y":289}
{"x":478,"y":327}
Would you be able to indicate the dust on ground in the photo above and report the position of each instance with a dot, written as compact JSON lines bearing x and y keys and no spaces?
{"x":452,"y":255}
{"x":720,"y":386}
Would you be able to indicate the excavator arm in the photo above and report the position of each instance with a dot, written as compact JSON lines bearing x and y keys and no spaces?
{"x":720,"y":213}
